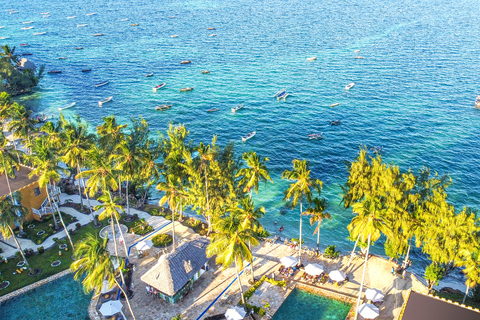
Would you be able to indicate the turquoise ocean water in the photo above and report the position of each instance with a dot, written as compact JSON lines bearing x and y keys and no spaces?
{"x":414,"y":90}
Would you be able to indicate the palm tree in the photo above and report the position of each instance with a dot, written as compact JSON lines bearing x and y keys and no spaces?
{"x":230,"y":245}
{"x":317,"y":214}
{"x":206,"y":153}
{"x":249,"y":219}
{"x":129,"y":159}
{"x":94,"y":265}
{"x":12,"y":214}
{"x":8,"y":161}
{"x":110,"y":211}
{"x":76,"y":144}
{"x":9,"y":54}
{"x":471,"y":262}
{"x":22,"y":124}
{"x":256,"y":172}
{"x":44,"y":159}
{"x":174,"y":196}
{"x":300,"y":189}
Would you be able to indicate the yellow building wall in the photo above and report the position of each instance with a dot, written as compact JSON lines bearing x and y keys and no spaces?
{"x":29,"y":200}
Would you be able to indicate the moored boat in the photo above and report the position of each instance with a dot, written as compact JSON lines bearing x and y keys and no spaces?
{"x":210,"y":28}
{"x":249,"y":136}
{"x":283,"y":91}
{"x":186,"y":89}
{"x":3,"y":38}
{"x":348,"y":86}
{"x":477,"y":102}
{"x":186,"y":61}
{"x":39,"y":33}
{"x":149,"y":75}
{"x":213,"y":110}
{"x":205,"y":71}
{"x":334,"y":105}
{"x":1,"y":27}
{"x":54,"y":71}
{"x":100,"y":103}
{"x":11,"y":12}
{"x":46,"y":16}
{"x":81,"y":25}
{"x":163,"y":107}
{"x":44,"y":13}
{"x":312,"y":59}
{"x":67,"y":106}
{"x":159,"y":86}
{"x":102,"y":84}
{"x":356,"y":51}
{"x":174,"y":36}
{"x":86,"y":70}
{"x":213,"y":35}
{"x":98,"y":34}
{"x":79,"y":48}
{"x":91,"y":14}
{"x":27,"y":28}
{"x":359,"y":57}
{"x":236,"y":108}
{"x":135,"y":24}
{"x":315,"y":136}
{"x":72,"y":17}
{"x":283,"y":95}
{"x":27,"y":22}
{"x":335,"y":122}
{"x":26,"y":54}
{"x":126,"y":19}
{"x":23,"y":44}
{"x":62,"y":58}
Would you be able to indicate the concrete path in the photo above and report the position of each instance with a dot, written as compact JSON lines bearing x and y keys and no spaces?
{"x":155,"y":221}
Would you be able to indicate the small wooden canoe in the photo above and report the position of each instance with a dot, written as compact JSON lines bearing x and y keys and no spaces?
{"x":164,"y":107}
{"x":79,"y":48}
{"x":23,"y":44}
{"x":54,"y":71}
{"x":62,"y":58}
{"x":213,"y":110}
{"x":210,"y":28}
{"x":159,"y":86}
{"x":98,"y":34}
{"x":149,"y":75}
{"x":86,"y":70}
{"x":39,"y":33}
{"x":186,"y":89}
{"x":359,"y":57}
{"x":334,"y":105}
{"x":205,"y":71}
{"x":91,"y":14}
{"x":26,"y":54}
{"x":135,"y":24}
{"x":102,"y":84}
{"x":213,"y":35}
{"x":186,"y":62}
{"x":174,"y":36}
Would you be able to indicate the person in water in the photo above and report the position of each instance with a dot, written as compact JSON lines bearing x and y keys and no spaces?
{"x":281,"y":229}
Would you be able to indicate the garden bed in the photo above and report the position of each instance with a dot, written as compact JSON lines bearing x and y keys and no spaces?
{"x":41,"y":230}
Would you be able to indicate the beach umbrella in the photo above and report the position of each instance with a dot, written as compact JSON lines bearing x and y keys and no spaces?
{"x":289,"y":261}
{"x":368,"y":311}
{"x":106,"y":288}
{"x":374,"y":295}
{"x":337,"y":275}
{"x":144,"y":245}
{"x":111,"y":307}
{"x":314,"y":269}
{"x":235,"y":313}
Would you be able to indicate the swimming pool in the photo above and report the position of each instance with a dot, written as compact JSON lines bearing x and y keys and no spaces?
{"x":301,"y":305}
{"x":59,"y":299}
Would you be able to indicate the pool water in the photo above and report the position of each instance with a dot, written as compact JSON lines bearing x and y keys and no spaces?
{"x":60,"y":299}
{"x":302,"y":305}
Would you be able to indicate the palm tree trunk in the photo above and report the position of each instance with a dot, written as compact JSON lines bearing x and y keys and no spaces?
{"x":20,"y":248}
{"x":51,"y":206}
{"x":115,"y":245}
{"x":318,"y":238}
{"x":353,"y":252}
{"x":126,"y":297}
{"x":86,"y":193}
{"x":466,"y":294}
{"x":63,"y":224}
{"x":408,"y":254}
{"x":119,"y":187}
{"x":239,"y":283}
{"x":128,"y":205}
{"x":79,"y":186}
{"x":119,"y":229}
{"x":208,"y":205}
{"x":173,"y":230}
{"x":300,"y":241}
{"x":251,"y":263}
{"x":363,"y":278}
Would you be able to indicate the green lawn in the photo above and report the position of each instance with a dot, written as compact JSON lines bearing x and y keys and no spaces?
{"x":47,"y":225}
{"x":42,"y":261}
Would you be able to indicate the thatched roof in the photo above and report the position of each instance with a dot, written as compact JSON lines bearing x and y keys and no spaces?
{"x":25,"y":64}
{"x":174,"y":270}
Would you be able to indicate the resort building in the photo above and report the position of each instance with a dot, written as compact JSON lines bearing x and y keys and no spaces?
{"x":419,"y":306}
{"x":33,"y":197}
{"x":174,"y":274}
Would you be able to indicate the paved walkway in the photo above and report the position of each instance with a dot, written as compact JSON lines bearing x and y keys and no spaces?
{"x":155,"y":221}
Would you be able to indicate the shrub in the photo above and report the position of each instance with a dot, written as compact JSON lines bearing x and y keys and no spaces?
{"x":1,"y":250}
{"x":41,"y":250}
{"x":39,"y":241}
{"x":141,"y":227}
{"x":280,"y":283}
{"x":178,"y":316}
{"x":135,"y":216}
{"x":55,"y":239}
{"x":296,"y":240}
{"x":162,"y":240}
{"x":255,"y":286}
{"x":262,"y":233}
{"x":28,"y":252}
{"x":433,"y":274}
{"x":331,"y":252}
{"x":154,"y":212}
{"x":78,"y":225}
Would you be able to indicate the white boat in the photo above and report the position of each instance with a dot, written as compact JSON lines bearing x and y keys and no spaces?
{"x":312,"y":59}
{"x":100,"y":103}
{"x":44,"y":13}
{"x":348,"y":86}
{"x":46,"y":16}
{"x":67,"y":106}
{"x":102,"y":84}
{"x":356,"y":51}
{"x":213,"y":35}
{"x":27,"y":22}
{"x":13,"y":12}
{"x":126,"y":19}
{"x":27,"y":28}
{"x":159,"y":86}
{"x":98,"y":34}
{"x":249,"y":136}
{"x":1,"y":27}
{"x":283,"y":95}
{"x":91,"y":14}
{"x":81,"y":25}
{"x":39,"y":33}
{"x":315,"y":136}
{"x":240,"y":106}
{"x":72,"y":17}
{"x":477,"y":102}
{"x":174,"y":36}
{"x":3,"y":38}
